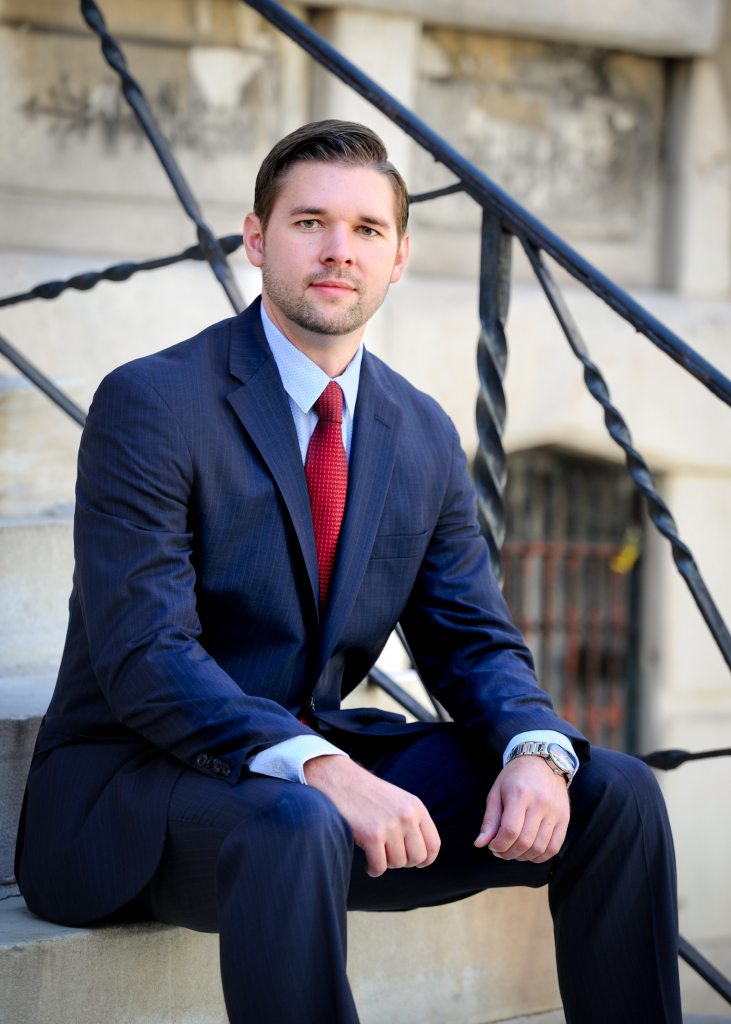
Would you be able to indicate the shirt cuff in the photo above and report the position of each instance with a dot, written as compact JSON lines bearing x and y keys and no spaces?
{"x":542,"y":736}
{"x":286,"y":760}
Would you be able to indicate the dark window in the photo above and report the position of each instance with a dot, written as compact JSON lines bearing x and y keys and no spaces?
{"x":571,"y":564}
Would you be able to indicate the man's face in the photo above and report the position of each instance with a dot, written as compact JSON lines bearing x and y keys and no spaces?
{"x":329,"y":252}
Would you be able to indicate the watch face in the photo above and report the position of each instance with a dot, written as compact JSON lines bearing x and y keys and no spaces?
{"x":563,"y":761}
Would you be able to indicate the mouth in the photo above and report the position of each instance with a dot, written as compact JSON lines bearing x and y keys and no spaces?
{"x":332,"y":286}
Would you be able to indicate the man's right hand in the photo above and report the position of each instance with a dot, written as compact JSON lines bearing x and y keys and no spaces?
{"x":392,"y":827}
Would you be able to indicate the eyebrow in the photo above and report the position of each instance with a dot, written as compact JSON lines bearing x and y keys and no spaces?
{"x":318,"y":211}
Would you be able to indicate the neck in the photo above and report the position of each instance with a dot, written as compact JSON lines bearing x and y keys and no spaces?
{"x":331,"y":352}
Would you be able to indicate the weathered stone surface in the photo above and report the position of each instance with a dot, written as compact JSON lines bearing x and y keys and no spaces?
{"x":477,"y":961}
{"x":136,"y":974}
{"x":72,"y":134}
{"x":697,"y":251}
{"x":573,"y":134}
{"x":202,"y":21}
{"x":484,"y":959}
{"x":36,"y":566}
{"x":668,"y":27}
{"x":23,"y":700}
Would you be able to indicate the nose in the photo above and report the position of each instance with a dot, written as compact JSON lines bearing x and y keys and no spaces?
{"x":337,"y":249}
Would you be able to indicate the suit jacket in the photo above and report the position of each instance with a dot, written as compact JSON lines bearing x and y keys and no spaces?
{"x":195,"y":638}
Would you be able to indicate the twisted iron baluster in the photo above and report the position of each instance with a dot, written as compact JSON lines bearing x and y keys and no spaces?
{"x":135,"y":97}
{"x":117,"y":272}
{"x":492,"y":355}
{"x":637,"y":467}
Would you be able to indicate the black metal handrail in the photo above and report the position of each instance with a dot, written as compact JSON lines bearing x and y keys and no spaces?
{"x":502,"y":219}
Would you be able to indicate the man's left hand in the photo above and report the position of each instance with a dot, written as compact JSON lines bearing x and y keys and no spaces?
{"x":527,"y":812}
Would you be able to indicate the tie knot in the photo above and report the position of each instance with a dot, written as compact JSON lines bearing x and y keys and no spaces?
{"x":329,"y":406}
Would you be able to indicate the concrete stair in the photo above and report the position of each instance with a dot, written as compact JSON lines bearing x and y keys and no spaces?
{"x":405,"y":969}
{"x":23,"y":699}
{"x":557,"y":1017}
{"x":439,"y":965}
{"x":36,"y":565}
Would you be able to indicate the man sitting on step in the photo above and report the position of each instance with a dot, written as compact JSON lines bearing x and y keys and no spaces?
{"x":257,"y":508}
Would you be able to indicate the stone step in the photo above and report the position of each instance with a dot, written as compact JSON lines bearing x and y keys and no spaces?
{"x":472,"y":961}
{"x":36,"y":566}
{"x":557,"y":1017}
{"x":446,"y":965}
{"x":24,"y":697}
{"x":155,"y":974}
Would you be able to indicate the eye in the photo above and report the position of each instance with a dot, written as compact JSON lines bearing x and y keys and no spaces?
{"x":309,"y":224}
{"x":368,"y":231}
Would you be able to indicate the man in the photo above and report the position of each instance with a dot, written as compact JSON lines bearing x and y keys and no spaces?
{"x":256,"y":510}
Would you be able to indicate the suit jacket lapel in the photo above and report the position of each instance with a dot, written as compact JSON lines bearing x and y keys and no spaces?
{"x":376,"y":432}
{"x":262,"y":406}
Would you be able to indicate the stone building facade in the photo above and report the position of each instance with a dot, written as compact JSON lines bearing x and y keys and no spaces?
{"x":612,"y":123}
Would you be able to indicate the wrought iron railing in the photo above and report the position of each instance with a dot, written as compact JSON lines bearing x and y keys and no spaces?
{"x":502,"y":220}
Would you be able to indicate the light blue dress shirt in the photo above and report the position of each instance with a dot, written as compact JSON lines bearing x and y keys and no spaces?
{"x":304,"y":382}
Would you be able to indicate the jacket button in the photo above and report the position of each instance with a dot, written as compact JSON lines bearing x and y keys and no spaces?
{"x":225,"y":770}
{"x":201,"y":761}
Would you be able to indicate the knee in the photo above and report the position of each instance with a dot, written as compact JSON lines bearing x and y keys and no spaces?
{"x":306,"y":815}
{"x":301,"y":823}
{"x":630,"y":775}
{"x":624,"y":786}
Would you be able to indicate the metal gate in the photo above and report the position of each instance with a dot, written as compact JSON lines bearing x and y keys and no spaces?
{"x":571,"y":563}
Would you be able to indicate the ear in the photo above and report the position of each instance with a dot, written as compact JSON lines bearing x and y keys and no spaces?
{"x":402,"y":254}
{"x":254,"y":239}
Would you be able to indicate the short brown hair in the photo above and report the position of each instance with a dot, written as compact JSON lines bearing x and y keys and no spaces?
{"x":343,"y":142}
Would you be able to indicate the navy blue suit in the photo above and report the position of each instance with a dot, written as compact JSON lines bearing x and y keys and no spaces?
{"x":195,"y":640}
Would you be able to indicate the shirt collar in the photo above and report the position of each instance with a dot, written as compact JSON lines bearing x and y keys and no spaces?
{"x":303,"y":380}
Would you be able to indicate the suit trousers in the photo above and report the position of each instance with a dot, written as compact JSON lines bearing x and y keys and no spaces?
{"x":271,"y":865}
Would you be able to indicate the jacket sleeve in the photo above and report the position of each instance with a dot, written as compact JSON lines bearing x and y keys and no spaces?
{"x":135,"y":578}
{"x":468,"y":651}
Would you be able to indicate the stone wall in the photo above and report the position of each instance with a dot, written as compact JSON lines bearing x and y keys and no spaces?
{"x":79,"y":176}
{"x":573,"y":133}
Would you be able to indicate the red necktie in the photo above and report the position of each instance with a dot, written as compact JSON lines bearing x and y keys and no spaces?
{"x":326,"y":471}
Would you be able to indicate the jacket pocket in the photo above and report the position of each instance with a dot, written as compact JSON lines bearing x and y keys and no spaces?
{"x":400,"y":545}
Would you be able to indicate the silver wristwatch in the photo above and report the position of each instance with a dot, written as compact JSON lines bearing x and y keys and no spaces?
{"x":559,"y":760}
